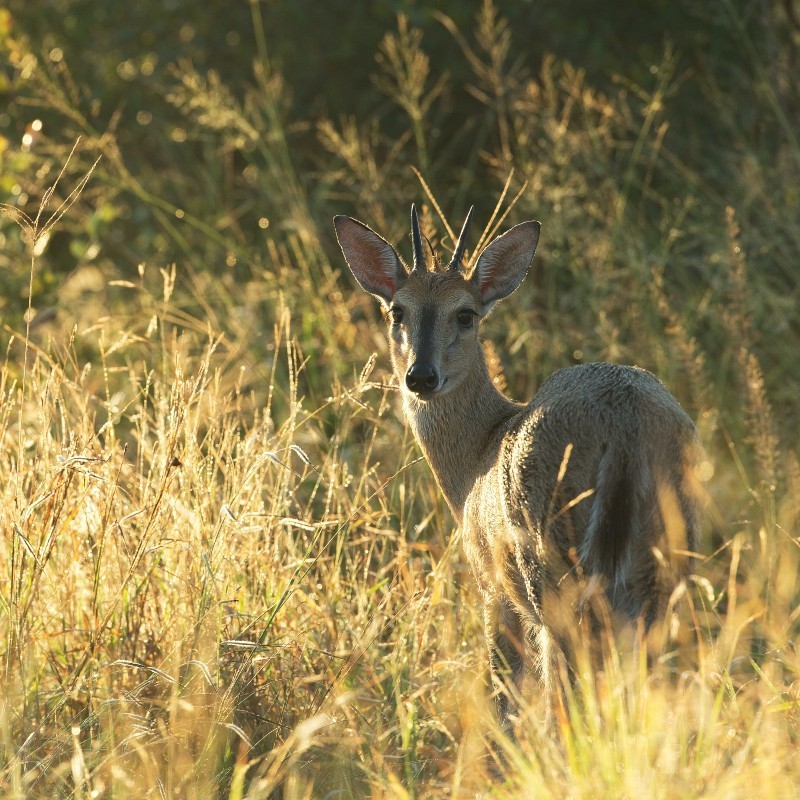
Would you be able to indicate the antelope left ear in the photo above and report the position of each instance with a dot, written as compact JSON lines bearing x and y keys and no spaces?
{"x":373,"y":261}
{"x":504,"y":262}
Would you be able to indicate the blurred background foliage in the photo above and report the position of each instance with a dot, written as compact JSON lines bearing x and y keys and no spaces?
{"x":230,"y":133}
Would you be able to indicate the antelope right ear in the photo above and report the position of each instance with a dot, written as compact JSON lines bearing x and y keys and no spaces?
{"x":504,"y":263}
{"x":372,"y":260}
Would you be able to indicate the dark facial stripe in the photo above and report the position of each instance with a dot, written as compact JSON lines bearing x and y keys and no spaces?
{"x":427,"y":323}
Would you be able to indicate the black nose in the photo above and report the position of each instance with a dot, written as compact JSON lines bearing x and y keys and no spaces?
{"x":421,"y":378}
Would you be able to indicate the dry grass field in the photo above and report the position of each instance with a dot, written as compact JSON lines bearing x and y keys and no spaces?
{"x":225,"y":569}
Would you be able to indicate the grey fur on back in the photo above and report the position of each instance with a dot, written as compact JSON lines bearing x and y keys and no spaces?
{"x":628,"y":440}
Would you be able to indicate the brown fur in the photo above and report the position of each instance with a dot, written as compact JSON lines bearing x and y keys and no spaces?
{"x":584,"y":496}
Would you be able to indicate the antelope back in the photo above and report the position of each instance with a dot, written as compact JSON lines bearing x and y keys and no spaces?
{"x":600,"y":466}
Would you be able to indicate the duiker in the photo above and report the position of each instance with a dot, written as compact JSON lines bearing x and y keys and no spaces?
{"x":585,"y":493}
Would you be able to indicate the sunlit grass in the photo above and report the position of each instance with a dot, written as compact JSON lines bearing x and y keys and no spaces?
{"x":205,"y":598}
{"x":225,"y":569}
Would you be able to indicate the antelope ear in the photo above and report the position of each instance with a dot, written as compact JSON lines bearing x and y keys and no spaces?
{"x":504,"y":262}
{"x":373,"y":261}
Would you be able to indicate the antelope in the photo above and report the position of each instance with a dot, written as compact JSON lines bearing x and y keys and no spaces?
{"x":586,"y":491}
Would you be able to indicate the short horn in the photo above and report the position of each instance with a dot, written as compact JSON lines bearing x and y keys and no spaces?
{"x":416,"y":238}
{"x":461,"y":244}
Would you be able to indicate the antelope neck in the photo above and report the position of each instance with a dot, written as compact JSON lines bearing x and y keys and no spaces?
{"x":457,"y":433}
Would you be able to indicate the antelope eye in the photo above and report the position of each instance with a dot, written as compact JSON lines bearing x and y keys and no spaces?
{"x":397,"y":314}
{"x":465,"y":317}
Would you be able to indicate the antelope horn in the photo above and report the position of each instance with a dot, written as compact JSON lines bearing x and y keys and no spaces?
{"x":416,"y":238}
{"x":461,"y":244}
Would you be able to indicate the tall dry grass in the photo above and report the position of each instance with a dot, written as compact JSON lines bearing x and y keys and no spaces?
{"x":225,"y":569}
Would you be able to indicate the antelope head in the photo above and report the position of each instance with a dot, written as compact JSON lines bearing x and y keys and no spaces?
{"x":433,"y":315}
